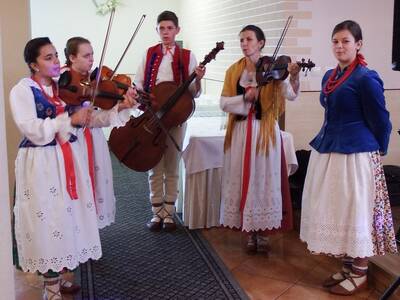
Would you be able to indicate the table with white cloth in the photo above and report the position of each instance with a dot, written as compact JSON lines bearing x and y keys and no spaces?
{"x":201,"y":177}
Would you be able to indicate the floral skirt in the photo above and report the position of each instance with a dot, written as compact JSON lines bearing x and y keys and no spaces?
{"x":346,"y":208}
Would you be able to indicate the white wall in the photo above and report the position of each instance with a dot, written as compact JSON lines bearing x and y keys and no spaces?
{"x":60,"y":20}
{"x":376,"y":21}
{"x":7,"y":270}
{"x":309,"y":36}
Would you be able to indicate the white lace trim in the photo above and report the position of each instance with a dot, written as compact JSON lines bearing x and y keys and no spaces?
{"x":57,"y":264}
{"x":252,"y":221}
{"x":333,"y":239}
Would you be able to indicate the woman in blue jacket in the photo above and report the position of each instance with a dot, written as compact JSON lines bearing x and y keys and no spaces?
{"x":346,"y":210}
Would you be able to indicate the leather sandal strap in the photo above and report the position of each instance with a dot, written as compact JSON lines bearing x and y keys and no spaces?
{"x":52,"y":282}
{"x":50,"y":294}
{"x":350,"y":278}
{"x":160,"y":209}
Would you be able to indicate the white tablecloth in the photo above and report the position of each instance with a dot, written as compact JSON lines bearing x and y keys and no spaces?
{"x":203,"y":158}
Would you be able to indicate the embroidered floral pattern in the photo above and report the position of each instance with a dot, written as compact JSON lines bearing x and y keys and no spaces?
{"x":27,"y":194}
{"x":28,"y":237}
{"x":53,"y":192}
{"x":40,"y":215}
{"x":57,"y":235}
{"x":39,"y":106}
{"x":383,"y":236}
{"x":71,"y":261}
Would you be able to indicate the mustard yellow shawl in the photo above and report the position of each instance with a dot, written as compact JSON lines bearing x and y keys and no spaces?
{"x":272,"y":106}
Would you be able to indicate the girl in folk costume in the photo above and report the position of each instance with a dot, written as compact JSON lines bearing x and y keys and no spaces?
{"x":255,"y":192}
{"x":79,"y":59}
{"x":167,"y":62}
{"x":346,"y":209}
{"x":55,"y":215}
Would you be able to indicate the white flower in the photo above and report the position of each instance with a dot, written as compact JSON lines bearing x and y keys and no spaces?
{"x":106,"y":7}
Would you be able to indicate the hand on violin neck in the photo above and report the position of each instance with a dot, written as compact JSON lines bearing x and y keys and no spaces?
{"x":294,"y":70}
{"x":200,"y":70}
{"x":129,"y":100}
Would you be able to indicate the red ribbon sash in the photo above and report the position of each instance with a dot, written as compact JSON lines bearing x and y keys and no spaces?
{"x":247,"y":160}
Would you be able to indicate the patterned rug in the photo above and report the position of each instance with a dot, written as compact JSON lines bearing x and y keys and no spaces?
{"x":139,"y":264}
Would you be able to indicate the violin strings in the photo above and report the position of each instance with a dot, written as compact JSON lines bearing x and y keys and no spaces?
{"x":285,"y":29}
{"x":129,"y":44}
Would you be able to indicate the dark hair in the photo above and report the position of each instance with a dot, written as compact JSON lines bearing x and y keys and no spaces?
{"x":167,"y":15}
{"x":258,"y":32}
{"x":71,"y":48}
{"x":32,"y":50}
{"x":351,"y":26}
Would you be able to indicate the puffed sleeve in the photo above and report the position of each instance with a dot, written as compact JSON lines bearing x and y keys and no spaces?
{"x":235,"y":105}
{"x":111,"y":117}
{"x":373,"y":106}
{"x":229,"y":101}
{"x":288,"y":92}
{"x":38,"y":131}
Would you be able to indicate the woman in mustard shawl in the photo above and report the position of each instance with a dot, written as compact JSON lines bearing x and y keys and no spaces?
{"x":255,"y":195}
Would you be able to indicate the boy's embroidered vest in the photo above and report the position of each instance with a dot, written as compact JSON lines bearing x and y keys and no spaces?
{"x":180,"y":65}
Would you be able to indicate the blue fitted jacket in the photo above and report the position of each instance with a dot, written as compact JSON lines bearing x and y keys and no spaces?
{"x":356,"y":119}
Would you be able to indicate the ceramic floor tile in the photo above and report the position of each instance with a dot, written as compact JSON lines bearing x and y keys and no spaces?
{"x":287,"y":268}
{"x":300,"y":292}
{"x":232,"y":257}
{"x":259,"y":287}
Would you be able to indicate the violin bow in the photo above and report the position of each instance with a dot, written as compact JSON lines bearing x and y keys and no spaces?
{"x":129,"y":44}
{"x":103,"y":52}
{"x":278,"y":46}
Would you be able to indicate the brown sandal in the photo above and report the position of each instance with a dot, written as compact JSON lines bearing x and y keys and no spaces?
{"x":353,"y":286}
{"x":50,"y":294}
{"x":331,"y":281}
{"x":67,"y":287}
{"x":263,"y":244}
{"x":251,"y":244}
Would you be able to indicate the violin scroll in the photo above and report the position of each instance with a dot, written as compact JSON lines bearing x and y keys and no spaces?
{"x":306,"y":66}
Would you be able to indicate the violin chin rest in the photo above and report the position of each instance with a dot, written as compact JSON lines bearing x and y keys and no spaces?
{"x":94,"y":74}
{"x":65,"y":79}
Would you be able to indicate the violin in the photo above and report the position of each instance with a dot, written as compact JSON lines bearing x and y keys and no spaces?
{"x":103,"y":89}
{"x":274,"y":67}
{"x":74,"y":88}
{"x":268,"y":69}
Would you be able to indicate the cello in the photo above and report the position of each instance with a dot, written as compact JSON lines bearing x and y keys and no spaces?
{"x":141,"y":143}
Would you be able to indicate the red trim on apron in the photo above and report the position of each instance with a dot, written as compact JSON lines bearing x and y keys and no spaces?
{"x":70,"y":177}
{"x":89,"y":143}
{"x":287,"y":211}
{"x":246,"y":163}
